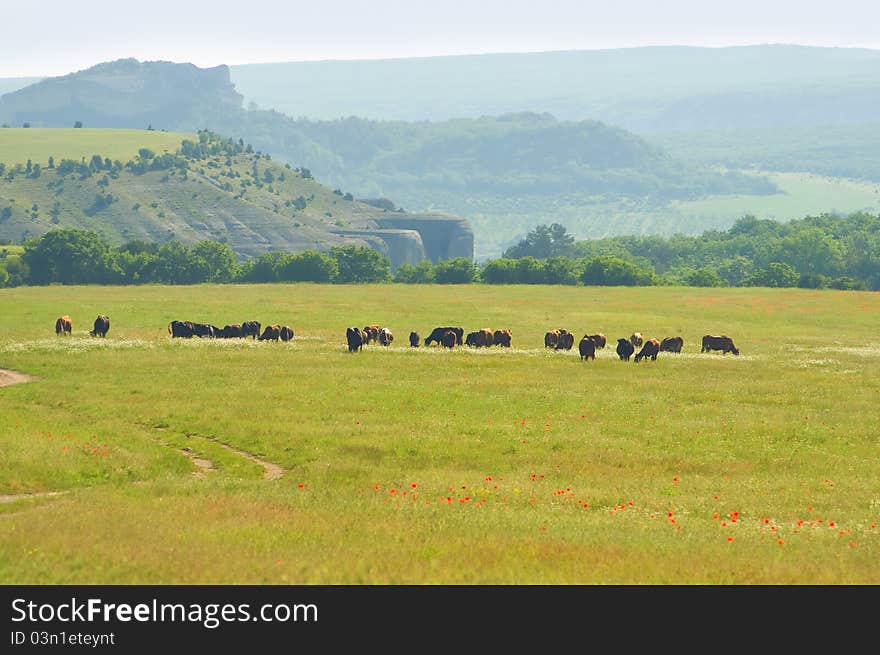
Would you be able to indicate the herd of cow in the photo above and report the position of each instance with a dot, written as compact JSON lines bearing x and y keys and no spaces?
{"x":189,"y":329}
{"x":448,"y":337}
{"x":558,"y":339}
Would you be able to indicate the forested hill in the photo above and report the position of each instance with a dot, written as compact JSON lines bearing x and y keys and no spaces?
{"x":520,"y":154}
{"x":645,"y":89}
{"x":208,"y":187}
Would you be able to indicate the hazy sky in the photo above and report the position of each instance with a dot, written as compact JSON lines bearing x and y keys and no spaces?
{"x":55,"y":37}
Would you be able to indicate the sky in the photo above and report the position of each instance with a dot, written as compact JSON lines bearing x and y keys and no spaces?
{"x":56,"y":37}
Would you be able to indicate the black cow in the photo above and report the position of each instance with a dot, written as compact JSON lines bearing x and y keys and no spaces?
{"x":472,"y":339}
{"x":270,"y":333}
{"x":502,"y":337}
{"x":286,"y":333}
{"x":203,"y":330}
{"x":587,"y":347}
{"x":355,"y":339}
{"x":231,"y":331}
{"x":414,"y":339}
{"x":719,"y":342}
{"x":672,"y":345}
{"x":385,"y":336}
{"x":251,"y":329}
{"x":436,"y":335}
{"x":102,"y":326}
{"x":650,"y":349}
{"x":183,"y":329}
{"x":625,"y":349}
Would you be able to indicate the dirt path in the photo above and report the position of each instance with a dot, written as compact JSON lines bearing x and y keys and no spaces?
{"x":270,"y":471}
{"x":11,"y":498}
{"x":8,"y":377}
{"x":202,"y":465}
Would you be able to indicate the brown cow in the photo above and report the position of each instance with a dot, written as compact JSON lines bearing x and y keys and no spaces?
{"x":502,"y":337}
{"x":63,"y":325}
{"x":719,"y":342}
{"x":636,"y":339}
{"x":271,"y":333}
{"x":599,"y":340}
{"x":487,"y":337}
{"x":587,"y":347}
{"x":371,"y":332}
{"x":551,"y":338}
{"x":286,"y":333}
{"x":449,"y":339}
{"x":101,"y":327}
{"x":414,"y":339}
{"x":650,"y":349}
{"x":672,"y":345}
{"x":234,"y":331}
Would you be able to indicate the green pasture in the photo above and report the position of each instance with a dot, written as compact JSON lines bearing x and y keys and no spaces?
{"x":17,"y":145}
{"x":215,"y":461}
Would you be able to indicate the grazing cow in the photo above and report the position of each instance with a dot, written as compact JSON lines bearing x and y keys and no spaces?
{"x":436,"y":335}
{"x":449,"y":339}
{"x":234,"y":331}
{"x":487,"y":337}
{"x":286,"y":333}
{"x":587,"y":347}
{"x":355,"y":339}
{"x":414,"y":339}
{"x":472,"y":339}
{"x":551,"y":338}
{"x":625,"y":349}
{"x":63,"y":325}
{"x":203,"y":330}
{"x":101,"y":327}
{"x":671,"y":345}
{"x":251,"y":329}
{"x":371,"y":333}
{"x":650,"y":349}
{"x":271,"y":333}
{"x":566,"y":340}
{"x":502,"y":337}
{"x":183,"y":329}
{"x":719,"y":342}
{"x":599,"y":340}
{"x":636,"y":339}
{"x":385,"y":337}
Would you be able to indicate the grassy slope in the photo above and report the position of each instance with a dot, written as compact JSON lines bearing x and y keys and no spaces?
{"x":17,"y":145}
{"x":190,"y":210}
{"x":783,"y":436}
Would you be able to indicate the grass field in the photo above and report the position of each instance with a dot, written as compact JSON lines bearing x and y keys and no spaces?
{"x":17,"y":145}
{"x":199,"y":461}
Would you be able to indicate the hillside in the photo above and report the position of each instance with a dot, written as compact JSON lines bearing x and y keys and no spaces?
{"x":646,"y":89}
{"x":208,"y":188}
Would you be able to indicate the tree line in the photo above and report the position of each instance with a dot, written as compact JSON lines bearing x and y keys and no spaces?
{"x":827,"y":251}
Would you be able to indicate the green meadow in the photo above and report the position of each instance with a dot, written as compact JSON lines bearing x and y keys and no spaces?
{"x":17,"y":145}
{"x":142,"y":459}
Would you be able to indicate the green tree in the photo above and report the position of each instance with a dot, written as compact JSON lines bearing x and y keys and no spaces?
{"x":309,"y":266}
{"x":542,"y":242}
{"x":360,"y":264}
{"x":458,"y":270}
{"x":70,"y":256}
{"x":214,"y":261}
{"x":613,"y":271}
{"x":705,"y":276}
{"x":777,"y":274}
{"x":78,"y":124}
{"x":499,"y":271}
{"x":421,"y":273}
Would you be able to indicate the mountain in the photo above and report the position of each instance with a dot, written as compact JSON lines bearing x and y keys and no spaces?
{"x":645,"y":89}
{"x":210,"y":187}
{"x":9,"y":84}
